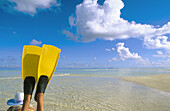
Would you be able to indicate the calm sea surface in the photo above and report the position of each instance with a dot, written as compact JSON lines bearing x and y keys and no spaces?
{"x":93,"y":72}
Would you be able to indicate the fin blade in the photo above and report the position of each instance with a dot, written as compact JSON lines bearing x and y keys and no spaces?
{"x":48,"y":60}
{"x":30,"y":61}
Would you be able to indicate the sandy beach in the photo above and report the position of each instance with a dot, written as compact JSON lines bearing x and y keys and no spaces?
{"x":160,"y":82}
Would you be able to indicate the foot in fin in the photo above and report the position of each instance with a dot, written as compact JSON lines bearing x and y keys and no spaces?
{"x":42,"y":84}
{"x":29,"y":84}
{"x":47,"y":65}
{"x":30,"y":61}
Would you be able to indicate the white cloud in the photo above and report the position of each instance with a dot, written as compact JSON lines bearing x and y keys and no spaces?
{"x":124,"y":52}
{"x":162,"y":55}
{"x":113,"y":48}
{"x":162,"y":63}
{"x":160,"y":52}
{"x":31,"y":6}
{"x":35,"y":42}
{"x":113,"y":59}
{"x":108,"y":50}
{"x":94,"y":21}
{"x":159,"y":42}
{"x":143,"y":61}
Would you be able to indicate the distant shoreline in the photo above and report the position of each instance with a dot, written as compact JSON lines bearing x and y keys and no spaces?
{"x":95,"y":68}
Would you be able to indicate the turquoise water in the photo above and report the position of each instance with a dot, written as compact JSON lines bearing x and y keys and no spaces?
{"x":92,"y":72}
{"x":113,"y":72}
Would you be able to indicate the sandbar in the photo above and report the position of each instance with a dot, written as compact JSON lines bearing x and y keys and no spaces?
{"x":160,"y":82}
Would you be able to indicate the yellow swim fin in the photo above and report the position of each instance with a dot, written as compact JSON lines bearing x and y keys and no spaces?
{"x":30,"y":61}
{"x":48,"y":61}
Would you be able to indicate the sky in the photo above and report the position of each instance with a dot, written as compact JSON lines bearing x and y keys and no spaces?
{"x":90,"y":33}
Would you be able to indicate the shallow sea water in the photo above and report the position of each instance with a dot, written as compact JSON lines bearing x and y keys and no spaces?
{"x":8,"y":73}
{"x":83,"y":93}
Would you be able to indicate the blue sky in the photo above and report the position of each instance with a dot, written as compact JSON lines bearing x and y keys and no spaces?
{"x":90,"y":33}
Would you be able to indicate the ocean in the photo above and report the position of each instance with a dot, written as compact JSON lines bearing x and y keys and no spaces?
{"x":7,"y":73}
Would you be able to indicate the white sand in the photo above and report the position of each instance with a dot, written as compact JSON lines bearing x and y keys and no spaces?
{"x":160,"y":82}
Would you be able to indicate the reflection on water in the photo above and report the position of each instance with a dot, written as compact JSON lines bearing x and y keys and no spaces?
{"x":74,"y":93}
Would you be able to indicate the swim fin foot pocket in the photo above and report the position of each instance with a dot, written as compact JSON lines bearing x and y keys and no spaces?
{"x":29,"y":84}
{"x":42,"y":84}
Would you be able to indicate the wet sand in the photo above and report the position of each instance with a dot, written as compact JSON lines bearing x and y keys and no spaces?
{"x":160,"y":82}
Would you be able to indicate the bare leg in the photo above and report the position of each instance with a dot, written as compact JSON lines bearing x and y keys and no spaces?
{"x":27,"y":99}
{"x":39,"y":99}
{"x":29,"y":84}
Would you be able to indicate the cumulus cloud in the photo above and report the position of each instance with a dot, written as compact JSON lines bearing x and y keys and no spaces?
{"x":35,"y":42}
{"x":159,"y":42}
{"x":94,"y":21}
{"x":124,"y":52}
{"x":29,"y":6}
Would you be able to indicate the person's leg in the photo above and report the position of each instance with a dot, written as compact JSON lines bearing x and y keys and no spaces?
{"x":39,"y":99}
{"x":27,"y":99}
{"x":42,"y":84}
{"x":29,"y":84}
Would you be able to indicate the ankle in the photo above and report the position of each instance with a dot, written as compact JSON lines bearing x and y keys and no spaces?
{"x":39,"y":97}
{"x":27,"y":97}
